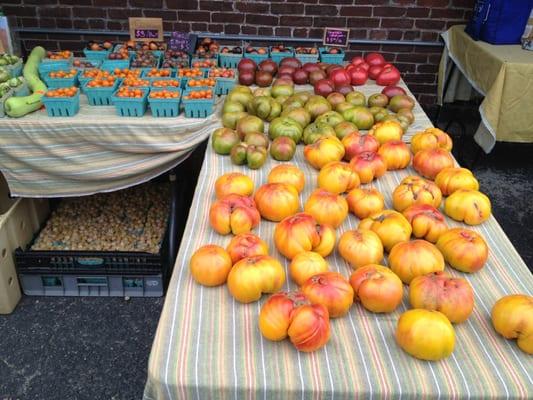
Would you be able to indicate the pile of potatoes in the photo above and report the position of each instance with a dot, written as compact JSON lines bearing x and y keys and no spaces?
{"x":134,"y":219}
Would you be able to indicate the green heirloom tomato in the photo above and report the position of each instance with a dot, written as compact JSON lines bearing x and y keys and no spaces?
{"x":282,"y":90}
{"x":331,"y":118}
{"x":285,"y":126}
{"x":230,"y":119}
{"x":256,"y":156}
{"x":224,"y":139}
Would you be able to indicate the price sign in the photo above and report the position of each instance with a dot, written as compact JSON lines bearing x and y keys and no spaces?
{"x":146,"y":29}
{"x":183,"y":41}
{"x":336,"y":37}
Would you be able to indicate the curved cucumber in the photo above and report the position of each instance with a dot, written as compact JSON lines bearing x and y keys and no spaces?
{"x":20,"y":106}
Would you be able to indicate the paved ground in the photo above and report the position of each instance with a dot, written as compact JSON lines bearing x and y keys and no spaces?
{"x":97,"y":348}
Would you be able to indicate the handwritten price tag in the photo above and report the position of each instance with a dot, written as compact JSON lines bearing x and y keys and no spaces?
{"x":336,"y":37}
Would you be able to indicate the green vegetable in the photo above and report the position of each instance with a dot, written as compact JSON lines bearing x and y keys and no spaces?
{"x":20,"y":106}
{"x":13,"y":82}
{"x":4,"y":75}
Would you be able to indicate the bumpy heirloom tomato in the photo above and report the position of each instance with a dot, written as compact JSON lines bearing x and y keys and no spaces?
{"x":386,"y":131}
{"x":354,"y":144}
{"x":464,"y":249}
{"x":427,"y":335}
{"x":396,"y":154}
{"x":512,"y":317}
{"x":252,"y":276}
{"x":309,"y":328}
{"x":301,"y":232}
{"x":430,"y":162}
{"x":417,"y":257}
{"x":360,"y":247}
{"x":327,"y":208}
{"x":330,"y":289}
{"x":306,"y":264}
{"x":452,"y":179}
{"x":233,"y":183}
{"x":246,"y":245}
{"x":469,"y":206}
{"x":234,"y":214}
{"x":210,"y":265}
{"x":276,"y":201}
{"x":390,"y":226}
{"x":454,"y":297}
{"x":275,"y":315}
{"x":377,"y":288}
{"x":427,"y":222}
{"x":338,"y":177}
{"x":415,"y":190}
{"x":431,"y":138}
{"x":363,"y":202}
{"x":369,"y":166}
{"x":289,"y":174}
{"x":323,"y":151}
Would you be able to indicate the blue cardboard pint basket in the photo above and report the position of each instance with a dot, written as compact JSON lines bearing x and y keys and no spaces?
{"x":277,"y":56}
{"x":62,"y":106}
{"x":331,"y":58}
{"x":229,"y":60}
{"x":256,"y":56}
{"x":164,"y":108}
{"x":100,"y":96}
{"x":224,"y":85}
{"x":307,"y":58}
{"x":56,"y":83}
{"x":111,"y":65}
{"x":96,"y":55}
{"x":198,"y":108}
{"x":130,"y":106}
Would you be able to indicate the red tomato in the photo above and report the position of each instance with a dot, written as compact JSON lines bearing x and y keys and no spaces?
{"x":340,"y":77}
{"x":374,"y":59}
{"x":388,"y":76}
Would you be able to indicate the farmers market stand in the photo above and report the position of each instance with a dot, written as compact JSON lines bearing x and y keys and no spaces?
{"x":208,"y":345}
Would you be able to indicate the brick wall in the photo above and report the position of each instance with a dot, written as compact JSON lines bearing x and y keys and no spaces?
{"x":366,"y":19}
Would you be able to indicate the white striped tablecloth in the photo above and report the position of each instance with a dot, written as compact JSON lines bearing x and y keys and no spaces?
{"x":208,"y":346}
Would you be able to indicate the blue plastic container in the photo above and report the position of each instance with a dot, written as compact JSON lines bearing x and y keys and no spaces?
{"x":224,"y":85}
{"x":62,"y":106}
{"x":307,"y":58}
{"x":55,"y":83}
{"x":131,"y":107}
{"x":229,"y":60}
{"x":96,"y":55}
{"x":110,"y":65}
{"x":331,"y":58}
{"x":164,"y":108}
{"x":100,"y":96}
{"x":256,"y":57}
{"x":277,"y":56}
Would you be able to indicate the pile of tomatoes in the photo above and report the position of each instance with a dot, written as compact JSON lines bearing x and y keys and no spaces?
{"x":126,"y":73}
{"x":129,"y":92}
{"x":62,"y":92}
{"x":202,"y":82}
{"x":63,"y":74}
{"x":165,"y":94}
{"x":135,"y":82}
{"x":166,"y":83}
{"x":221,"y":73}
{"x":207,"y":63}
{"x":59,"y":55}
{"x":101,"y":81}
{"x":199,"y":94}
{"x":94,"y":73}
{"x":190,"y":72}
{"x":159,"y":73}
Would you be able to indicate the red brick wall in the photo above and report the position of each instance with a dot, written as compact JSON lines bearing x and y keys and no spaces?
{"x":367,"y":19}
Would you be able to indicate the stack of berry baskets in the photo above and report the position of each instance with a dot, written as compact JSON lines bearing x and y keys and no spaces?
{"x":131,"y":101}
{"x":332,"y":55}
{"x":165,"y":101}
{"x":230,"y":56}
{"x":61,"y":78}
{"x":99,"y":90}
{"x":225,"y":77}
{"x":189,"y":73}
{"x":159,"y":73}
{"x":198,"y":103}
{"x":279,"y":52}
{"x":257,"y":54}
{"x":62,"y":102}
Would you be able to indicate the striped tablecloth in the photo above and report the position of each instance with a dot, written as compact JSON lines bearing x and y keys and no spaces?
{"x":208,"y":346}
{"x":94,"y":151}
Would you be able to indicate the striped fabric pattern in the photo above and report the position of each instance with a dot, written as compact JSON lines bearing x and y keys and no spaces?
{"x":208,"y":346}
{"x":94,"y":151}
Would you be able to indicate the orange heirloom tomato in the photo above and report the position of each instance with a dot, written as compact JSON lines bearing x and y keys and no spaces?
{"x":276,"y":201}
{"x":306,"y":264}
{"x":453,"y":297}
{"x":276,"y":313}
{"x":452,"y":179}
{"x":360,"y":247}
{"x":330,"y":289}
{"x":377,"y":288}
{"x":431,"y":138}
{"x":289,"y":174}
{"x":363,"y":202}
{"x":512,"y":317}
{"x":234,"y":214}
{"x":386,"y":131}
{"x":210,"y":265}
{"x":427,"y":335}
{"x":390,"y":226}
{"x":468,"y":206}
{"x":464,"y":249}
{"x":415,"y":190}
{"x":417,"y":257}
{"x":309,"y":329}
{"x":327,"y":208}
{"x":323,"y":151}
{"x":430,"y":162}
{"x":427,"y":222}
{"x":233,"y":183}
{"x":338,"y":177}
{"x":246,"y":245}
{"x":301,"y":232}
{"x":369,"y":166}
{"x":355,"y":144}
{"x":396,"y":154}
{"x":252,"y":276}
